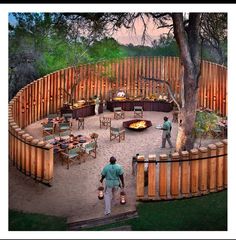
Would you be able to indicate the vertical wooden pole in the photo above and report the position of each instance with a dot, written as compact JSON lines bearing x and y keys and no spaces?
{"x":14,"y":127}
{"x":194,"y":172}
{"x":225,"y":142}
{"x":11,"y":140}
{"x":212,"y":168}
{"x":28,"y":155}
{"x":163,"y":177}
{"x":33,"y":157}
{"x":21,"y":150}
{"x":185,"y":174}
{"x":24,"y":144}
{"x":48,"y":163}
{"x":220,"y":166}
{"x":152,"y":176}
{"x":174,"y":176}
{"x":140,"y":177}
{"x":203,"y":171}
{"x":39,"y":161}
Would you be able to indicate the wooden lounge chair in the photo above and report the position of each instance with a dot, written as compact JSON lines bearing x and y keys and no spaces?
{"x":117,"y":133}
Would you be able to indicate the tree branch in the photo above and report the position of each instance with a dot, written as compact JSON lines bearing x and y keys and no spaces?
{"x":168,"y":87}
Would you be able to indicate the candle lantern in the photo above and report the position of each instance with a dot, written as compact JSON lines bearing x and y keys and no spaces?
{"x":71,"y":138}
{"x":100,"y":193}
{"x":122,"y":197}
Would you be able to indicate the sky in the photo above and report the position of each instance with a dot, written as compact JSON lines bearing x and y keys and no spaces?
{"x":127,"y":36}
{"x":6,"y":8}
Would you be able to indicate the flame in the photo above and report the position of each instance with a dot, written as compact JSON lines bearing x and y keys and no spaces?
{"x":137,"y":125}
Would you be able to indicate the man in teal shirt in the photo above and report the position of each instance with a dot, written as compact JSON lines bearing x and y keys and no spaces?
{"x":166,"y":133}
{"x":113,"y":173}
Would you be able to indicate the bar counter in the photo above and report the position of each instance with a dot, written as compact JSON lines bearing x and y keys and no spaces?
{"x":128,"y":105}
{"x":83,"y":111}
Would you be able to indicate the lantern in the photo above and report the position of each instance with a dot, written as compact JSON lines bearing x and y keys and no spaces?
{"x":122,"y":197}
{"x":71,"y":138}
{"x":100,"y":193}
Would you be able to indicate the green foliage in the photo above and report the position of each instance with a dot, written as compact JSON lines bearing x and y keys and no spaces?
{"x":19,"y":221}
{"x":106,"y":49}
{"x":204,"y":124}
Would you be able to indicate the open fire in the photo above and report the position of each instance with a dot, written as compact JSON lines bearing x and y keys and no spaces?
{"x":139,"y":124}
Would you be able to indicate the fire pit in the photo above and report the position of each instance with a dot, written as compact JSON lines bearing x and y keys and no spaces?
{"x":137,"y":124}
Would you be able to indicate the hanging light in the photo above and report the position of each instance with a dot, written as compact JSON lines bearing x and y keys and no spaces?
{"x":122,"y":197}
{"x":100,"y":193}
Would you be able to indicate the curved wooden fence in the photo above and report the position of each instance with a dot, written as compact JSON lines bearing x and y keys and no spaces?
{"x":197,"y":172}
{"x":47,"y":94}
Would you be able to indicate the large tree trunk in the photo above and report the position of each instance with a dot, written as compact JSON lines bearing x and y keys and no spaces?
{"x":188,"y":41}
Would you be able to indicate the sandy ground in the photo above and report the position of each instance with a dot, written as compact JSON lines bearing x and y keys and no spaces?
{"x":74,"y":192}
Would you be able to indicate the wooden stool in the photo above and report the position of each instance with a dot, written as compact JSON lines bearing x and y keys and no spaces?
{"x":80,"y":123}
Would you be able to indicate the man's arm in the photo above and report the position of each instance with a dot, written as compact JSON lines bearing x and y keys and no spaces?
{"x":122,"y":180}
{"x":101,"y":180}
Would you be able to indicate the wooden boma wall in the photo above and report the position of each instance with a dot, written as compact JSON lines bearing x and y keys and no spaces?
{"x":47,"y":95}
{"x":200,"y":172}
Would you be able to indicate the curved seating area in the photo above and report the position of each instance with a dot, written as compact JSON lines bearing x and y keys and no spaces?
{"x":45,"y":96}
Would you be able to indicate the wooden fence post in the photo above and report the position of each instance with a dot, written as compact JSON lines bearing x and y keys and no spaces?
{"x":28,"y":155}
{"x":21,"y":150}
{"x":140,"y":177}
{"x":40,"y":160}
{"x":203,"y":171}
{"x":174,"y":180}
{"x":11,"y":140}
{"x":18,"y":152}
{"x":152,"y":175}
{"x":225,"y":142}
{"x":14,"y":127}
{"x":33,"y":160}
{"x":185,"y":174}
{"x":219,"y":166}
{"x":163,"y":177}
{"x":194,"y":172}
{"x":48,"y":163}
{"x":23,"y":161}
{"x":212,"y":168}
